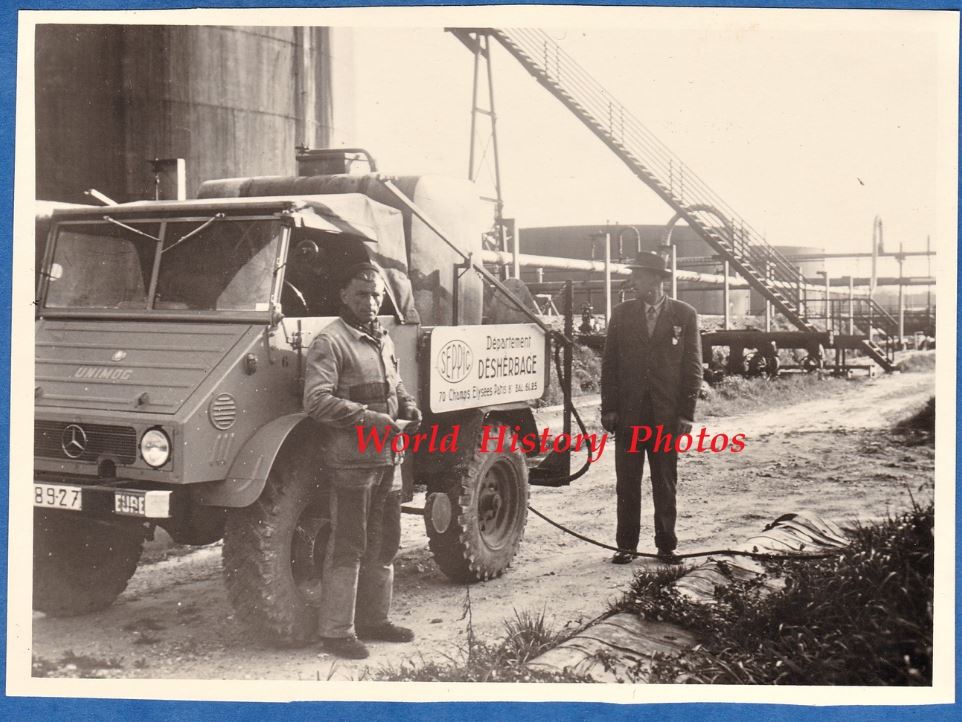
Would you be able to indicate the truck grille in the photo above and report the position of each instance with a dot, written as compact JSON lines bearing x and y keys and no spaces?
{"x":118,"y":442}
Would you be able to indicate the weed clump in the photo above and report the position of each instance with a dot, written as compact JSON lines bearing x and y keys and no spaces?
{"x":585,"y":372}
{"x":917,"y":362}
{"x":527,"y":635}
{"x":863,"y":617}
{"x":919,"y":428}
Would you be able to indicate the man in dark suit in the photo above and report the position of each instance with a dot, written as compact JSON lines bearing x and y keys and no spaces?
{"x":650,"y":376}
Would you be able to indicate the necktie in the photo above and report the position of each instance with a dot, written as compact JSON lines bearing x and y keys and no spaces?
{"x":651,"y":317}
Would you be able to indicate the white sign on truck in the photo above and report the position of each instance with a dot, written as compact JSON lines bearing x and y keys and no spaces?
{"x":480,"y":365}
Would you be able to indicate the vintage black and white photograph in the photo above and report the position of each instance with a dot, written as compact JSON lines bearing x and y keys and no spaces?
{"x":592,"y":350}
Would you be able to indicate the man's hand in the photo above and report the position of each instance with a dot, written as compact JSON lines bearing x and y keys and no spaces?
{"x":684,"y":426}
{"x":609,"y":420}
{"x":412,"y":414}
{"x":380,"y":421}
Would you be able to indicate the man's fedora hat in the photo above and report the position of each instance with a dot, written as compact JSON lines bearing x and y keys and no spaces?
{"x":647,"y":261}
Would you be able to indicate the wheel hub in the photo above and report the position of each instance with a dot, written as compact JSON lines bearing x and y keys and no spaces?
{"x":496,"y":507}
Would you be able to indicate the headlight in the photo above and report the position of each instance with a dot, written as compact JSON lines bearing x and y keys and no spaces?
{"x":155,"y":447}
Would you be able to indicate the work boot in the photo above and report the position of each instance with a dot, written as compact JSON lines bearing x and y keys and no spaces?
{"x":347,"y":647}
{"x":622,"y":557}
{"x":386,"y":632}
{"x":668,"y":557}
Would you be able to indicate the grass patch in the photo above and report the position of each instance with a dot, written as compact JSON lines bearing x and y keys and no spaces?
{"x":861,"y":618}
{"x":74,"y":665}
{"x":917,"y":362}
{"x":527,"y":635}
{"x":738,"y":395}
{"x":586,"y":373}
{"x":731,"y":395}
{"x":919,"y":428}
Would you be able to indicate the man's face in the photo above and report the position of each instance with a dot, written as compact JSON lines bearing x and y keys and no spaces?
{"x":363,"y":297}
{"x":646,"y":283}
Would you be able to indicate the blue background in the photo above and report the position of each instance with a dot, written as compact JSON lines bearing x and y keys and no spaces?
{"x":87,"y":709}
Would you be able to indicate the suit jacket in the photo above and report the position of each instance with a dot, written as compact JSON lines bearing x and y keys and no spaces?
{"x":652,"y":380}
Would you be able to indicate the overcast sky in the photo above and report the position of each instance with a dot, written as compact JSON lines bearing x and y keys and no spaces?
{"x":808,"y":123}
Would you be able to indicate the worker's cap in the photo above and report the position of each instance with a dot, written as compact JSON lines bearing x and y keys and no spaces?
{"x":361,"y":270}
{"x":647,"y":261}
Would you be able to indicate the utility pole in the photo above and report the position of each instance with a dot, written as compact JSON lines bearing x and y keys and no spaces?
{"x":901,"y":300}
{"x":928,"y":293}
{"x":726,"y":297}
{"x":851,"y":306}
{"x":607,"y":278}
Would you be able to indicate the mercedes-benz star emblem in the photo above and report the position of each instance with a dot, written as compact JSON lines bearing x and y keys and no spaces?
{"x":73,"y":441}
{"x":119,"y":355}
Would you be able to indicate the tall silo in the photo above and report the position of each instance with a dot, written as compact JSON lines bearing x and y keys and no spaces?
{"x":229,"y":100}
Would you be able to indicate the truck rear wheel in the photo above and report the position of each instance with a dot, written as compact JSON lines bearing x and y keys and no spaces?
{"x":81,"y":565}
{"x":478,"y":533}
{"x":274,"y":553}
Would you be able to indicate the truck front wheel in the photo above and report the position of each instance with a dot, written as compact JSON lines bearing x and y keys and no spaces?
{"x":478,"y":533}
{"x":274,"y":553}
{"x":81,"y":565}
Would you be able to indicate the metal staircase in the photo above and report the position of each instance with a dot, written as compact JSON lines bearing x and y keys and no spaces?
{"x":865,"y":317}
{"x":766,"y":270}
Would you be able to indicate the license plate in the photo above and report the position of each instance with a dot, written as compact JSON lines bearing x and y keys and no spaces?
{"x":131,"y":503}
{"x":57,"y":496}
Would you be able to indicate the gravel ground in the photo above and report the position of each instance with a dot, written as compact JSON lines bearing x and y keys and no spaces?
{"x":831,"y":455}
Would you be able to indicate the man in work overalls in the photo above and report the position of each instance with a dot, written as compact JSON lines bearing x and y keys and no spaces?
{"x":351,"y":380}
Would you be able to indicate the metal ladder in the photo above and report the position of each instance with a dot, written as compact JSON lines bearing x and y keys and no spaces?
{"x":766,"y":270}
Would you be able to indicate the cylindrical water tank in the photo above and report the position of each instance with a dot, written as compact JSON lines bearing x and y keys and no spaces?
{"x":230,"y":100}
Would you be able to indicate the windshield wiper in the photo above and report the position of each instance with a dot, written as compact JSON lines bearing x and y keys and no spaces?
{"x":131,"y":229}
{"x":202,"y":226}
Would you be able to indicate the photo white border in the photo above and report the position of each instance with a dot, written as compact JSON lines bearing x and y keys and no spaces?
{"x":19,"y":680}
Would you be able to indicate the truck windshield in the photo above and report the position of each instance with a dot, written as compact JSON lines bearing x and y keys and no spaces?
{"x":218,"y":264}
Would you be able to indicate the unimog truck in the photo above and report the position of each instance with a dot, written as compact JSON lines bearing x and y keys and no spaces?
{"x":170,"y":346}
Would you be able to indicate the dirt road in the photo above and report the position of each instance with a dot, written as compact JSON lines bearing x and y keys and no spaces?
{"x":829,"y":455}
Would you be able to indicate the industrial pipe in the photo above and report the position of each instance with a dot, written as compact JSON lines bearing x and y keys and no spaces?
{"x":558,"y":263}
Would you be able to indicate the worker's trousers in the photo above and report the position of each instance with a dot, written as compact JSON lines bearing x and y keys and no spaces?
{"x":664,"y":479}
{"x":358,"y":578}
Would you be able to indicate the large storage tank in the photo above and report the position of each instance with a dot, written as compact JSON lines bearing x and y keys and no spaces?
{"x":587,"y":242}
{"x":229,"y":100}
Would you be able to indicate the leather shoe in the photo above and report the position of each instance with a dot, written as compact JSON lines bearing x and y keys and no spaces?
{"x":622,"y":557}
{"x":668,"y":557}
{"x":347,"y":647}
{"x":386,"y":632}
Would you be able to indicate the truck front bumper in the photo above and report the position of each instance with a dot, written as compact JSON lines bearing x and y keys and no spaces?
{"x":98,"y":499}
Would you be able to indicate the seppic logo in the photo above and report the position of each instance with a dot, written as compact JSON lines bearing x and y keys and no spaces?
{"x":102,"y":372}
{"x":454,"y":361}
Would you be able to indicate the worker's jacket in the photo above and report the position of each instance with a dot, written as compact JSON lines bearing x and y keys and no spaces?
{"x":652,"y":380}
{"x":348,"y":372}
